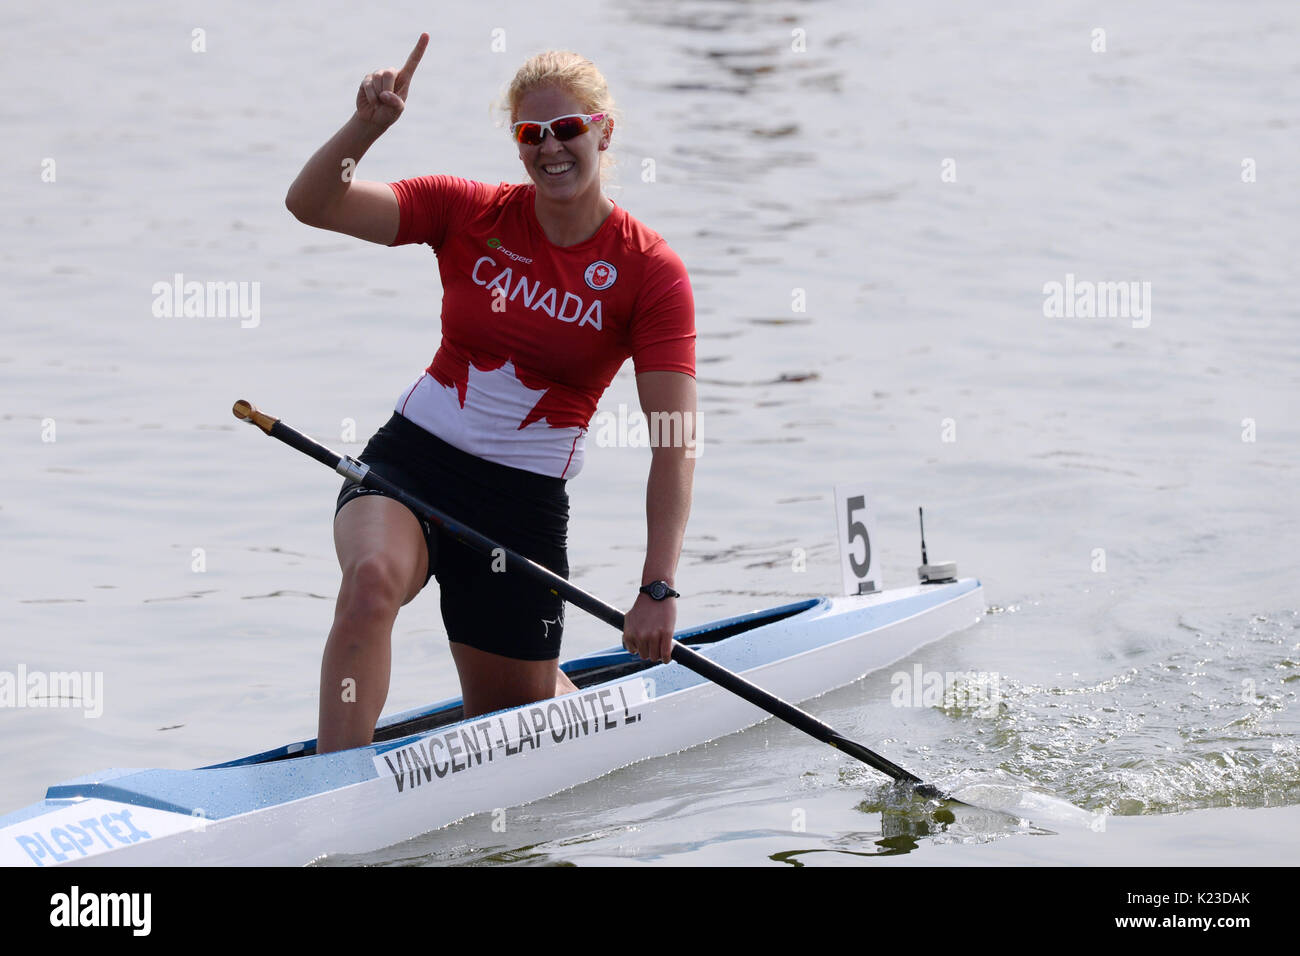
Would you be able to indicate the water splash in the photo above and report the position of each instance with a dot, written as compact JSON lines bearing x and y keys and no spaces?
{"x":1030,"y":806}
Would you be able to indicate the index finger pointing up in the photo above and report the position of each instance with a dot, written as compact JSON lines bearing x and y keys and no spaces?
{"x":413,"y":60}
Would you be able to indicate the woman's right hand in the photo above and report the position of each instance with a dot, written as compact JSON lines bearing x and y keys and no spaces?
{"x":382,"y":95}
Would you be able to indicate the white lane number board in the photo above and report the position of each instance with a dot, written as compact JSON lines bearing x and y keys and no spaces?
{"x":855,"y":521}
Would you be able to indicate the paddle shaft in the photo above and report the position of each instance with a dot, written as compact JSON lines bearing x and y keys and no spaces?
{"x":689,"y":658}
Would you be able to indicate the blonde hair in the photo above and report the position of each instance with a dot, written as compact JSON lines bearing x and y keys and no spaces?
{"x":576,"y":75}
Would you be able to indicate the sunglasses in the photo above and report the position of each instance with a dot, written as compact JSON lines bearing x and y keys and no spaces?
{"x":530,"y":132}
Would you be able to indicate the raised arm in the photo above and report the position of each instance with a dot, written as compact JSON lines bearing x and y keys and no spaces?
{"x":326,"y":194}
{"x":668,"y":400}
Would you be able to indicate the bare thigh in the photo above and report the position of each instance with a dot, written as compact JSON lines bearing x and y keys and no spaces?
{"x":492,"y":682}
{"x":382,"y":552}
{"x":380,"y":542}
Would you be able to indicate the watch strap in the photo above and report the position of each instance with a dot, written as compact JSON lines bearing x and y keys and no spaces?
{"x":658,"y":590}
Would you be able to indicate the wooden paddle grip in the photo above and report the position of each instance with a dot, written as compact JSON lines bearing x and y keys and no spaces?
{"x":247,"y":412}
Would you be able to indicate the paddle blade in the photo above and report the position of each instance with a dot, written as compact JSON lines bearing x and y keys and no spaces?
{"x":1035,"y":806}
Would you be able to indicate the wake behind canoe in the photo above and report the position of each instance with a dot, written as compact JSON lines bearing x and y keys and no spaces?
{"x":429,"y":767}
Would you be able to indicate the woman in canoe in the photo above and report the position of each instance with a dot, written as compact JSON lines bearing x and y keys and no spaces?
{"x":548,"y":287}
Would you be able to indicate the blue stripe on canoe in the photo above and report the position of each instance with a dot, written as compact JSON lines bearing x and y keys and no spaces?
{"x":224,"y":791}
{"x":794,"y":635}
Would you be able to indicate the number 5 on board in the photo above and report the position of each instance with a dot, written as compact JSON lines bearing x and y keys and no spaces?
{"x":856,"y":524}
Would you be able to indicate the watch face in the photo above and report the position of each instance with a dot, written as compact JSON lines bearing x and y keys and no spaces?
{"x":658,"y":590}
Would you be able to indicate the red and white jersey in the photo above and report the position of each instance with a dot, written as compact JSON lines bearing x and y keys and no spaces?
{"x":533,"y":333}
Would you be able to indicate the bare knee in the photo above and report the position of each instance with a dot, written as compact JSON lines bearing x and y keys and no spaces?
{"x":374,"y":587}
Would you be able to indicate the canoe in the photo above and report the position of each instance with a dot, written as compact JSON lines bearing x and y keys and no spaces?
{"x":429,"y":767}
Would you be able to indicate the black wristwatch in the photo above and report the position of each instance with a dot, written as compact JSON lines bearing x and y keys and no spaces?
{"x":658,"y":590}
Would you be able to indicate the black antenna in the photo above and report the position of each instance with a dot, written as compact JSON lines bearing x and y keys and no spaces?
{"x":940,"y":572}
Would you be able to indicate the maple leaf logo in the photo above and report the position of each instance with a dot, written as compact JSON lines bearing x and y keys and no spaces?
{"x":600,"y":275}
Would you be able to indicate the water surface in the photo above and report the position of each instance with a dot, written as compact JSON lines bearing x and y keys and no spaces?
{"x":158,"y":542}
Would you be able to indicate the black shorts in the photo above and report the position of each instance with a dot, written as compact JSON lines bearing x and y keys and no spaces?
{"x":502,"y":612}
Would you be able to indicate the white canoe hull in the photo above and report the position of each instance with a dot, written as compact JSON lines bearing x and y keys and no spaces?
{"x":292,"y":811}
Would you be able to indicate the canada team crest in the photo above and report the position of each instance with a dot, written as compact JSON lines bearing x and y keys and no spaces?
{"x":600,"y":275}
